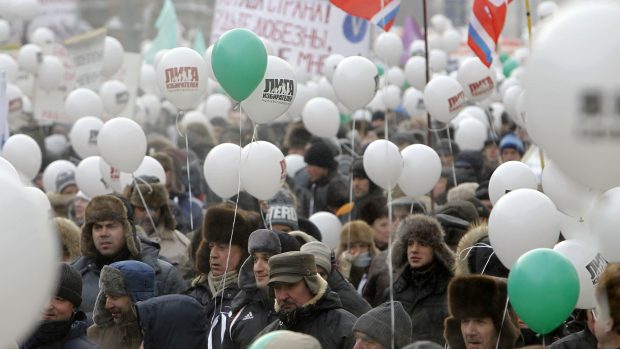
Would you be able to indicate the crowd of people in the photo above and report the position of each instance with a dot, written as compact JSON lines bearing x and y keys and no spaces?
{"x":256,"y":274}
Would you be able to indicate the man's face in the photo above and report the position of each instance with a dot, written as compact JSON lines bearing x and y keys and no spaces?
{"x":510,"y":154}
{"x":80,"y":206}
{"x":292,"y":296}
{"x":219,"y":257}
{"x":109,"y":237}
{"x":261,"y":268}
{"x":381,"y":226}
{"x":316,"y":172}
{"x":58,"y":309}
{"x":141,"y":217}
{"x":419,"y":255}
{"x":362,"y":341}
{"x":479,"y":333}
{"x":361,"y":186}
{"x":491,"y":152}
{"x":604,"y":327}
{"x":119,"y":307}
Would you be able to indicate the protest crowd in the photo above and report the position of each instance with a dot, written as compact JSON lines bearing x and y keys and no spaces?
{"x":416,"y":198}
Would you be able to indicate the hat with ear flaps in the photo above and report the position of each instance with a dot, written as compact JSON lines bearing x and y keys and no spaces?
{"x":479,"y":296}
{"x":217,"y":227}
{"x":156,"y":197}
{"x":108,"y":208}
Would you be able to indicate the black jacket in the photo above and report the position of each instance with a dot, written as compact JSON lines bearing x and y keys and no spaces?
{"x":579,"y":340}
{"x":61,"y":335}
{"x":350,"y":299}
{"x":323,"y":318}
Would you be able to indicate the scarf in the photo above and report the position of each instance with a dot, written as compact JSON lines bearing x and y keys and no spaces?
{"x":219,"y":283}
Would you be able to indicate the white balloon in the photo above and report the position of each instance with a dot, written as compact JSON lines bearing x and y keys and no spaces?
{"x":389,"y":48}
{"x":471,"y":134}
{"x":182,"y":77}
{"x":9,"y":66}
{"x":221,"y":169}
{"x":152,"y":107}
{"x":521,"y":108}
{"x":415,"y":72}
{"x":321,"y":117}
{"x":122,"y":144}
{"x":15,"y":97}
{"x":329,"y":225}
{"x":24,"y":154}
{"x":604,"y":221}
{"x":510,"y":176}
{"x":377,"y":103}
{"x":294,"y":164}
{"x":546,"y":9}
{"x":217,"y":105}
{"x":477,"y":113}
{"x":589,"y":265}
{"x":268,"y":46}
{"x":355,"y":81}
{"x":29,"y":58}
{"x":476,"y":79}
{"x":438,"y":60}
{"x":417,"y":48}
{"x":326,"y":90}
{"x":520,"y":221}
{"x":110,"y":176}
{"x":263,"y":169}
{"x":274,"y":96}
{"x":421,"y":171}
{"x":576,"y":123}
{"x":194,"y":117}
{"x":5,"y":30}
{"x":113,"y":55}
{"x":451,"y":40}
{"x":362,"y":114}
{"x":88,"y":177}
{"x":383,"y":163}
{"x":83,"y":136}
{"x":569,"y":196}
{"x":511,"y":97}
{"x":25,"y":9}
{"x":577,"y":229}
{"x":444,"y":98}
{"x":440,"y":23}
{"x":330,"y":64}
{"x":392,"y":96}
{"x":413,"y":101}
{"x":53,"y":170}
{"x":149,"y":167}
{"x":114,"y":95}
{"x":42,"y":36}
{"x":38,"y":196}
{"x":7,"y":170}
{"x":26,"y":231}
{"x":83,"y":102}
{"x":207,"y":58}
{"x":148,"y":81}
{"x":395,"y":76}
{"x":51,"y":73}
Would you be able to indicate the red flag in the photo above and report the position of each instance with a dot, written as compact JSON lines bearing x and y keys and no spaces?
{"x":485,"y":26}
{"x":380,"y":12}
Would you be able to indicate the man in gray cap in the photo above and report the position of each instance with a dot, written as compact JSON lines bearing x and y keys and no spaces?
{"x":373,"y":330}
{"x":305,"y":303}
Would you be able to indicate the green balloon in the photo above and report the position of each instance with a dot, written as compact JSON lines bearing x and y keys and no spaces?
{"x":509,"y":66}
{"x":543,"y":287}
{"x":503,"y":57}
{"x":239,"y":61}
{"x":380,"y":68}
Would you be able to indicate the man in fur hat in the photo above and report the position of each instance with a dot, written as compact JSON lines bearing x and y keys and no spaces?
{"x":174,"y":245}
{"x":423,"y":267}
{"x":477,"y":317}
{"x":219,"y":261}
{"x":122,"y":285}
{"x":305,"y":303}
{"x":108,"y":236}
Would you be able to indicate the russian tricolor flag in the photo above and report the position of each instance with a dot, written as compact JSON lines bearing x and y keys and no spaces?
{"x":485,"y":26}
{"x":380,"y":12}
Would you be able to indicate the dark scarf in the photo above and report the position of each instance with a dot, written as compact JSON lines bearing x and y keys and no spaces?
{"x":49,"y":333}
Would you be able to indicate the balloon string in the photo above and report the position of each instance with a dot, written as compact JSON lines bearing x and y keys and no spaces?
{"x":502,"y":325}
{"x":453,"y":159}
{"x":390,"y":267}
{"x":146,"y":207}
{"x":351,"y":184}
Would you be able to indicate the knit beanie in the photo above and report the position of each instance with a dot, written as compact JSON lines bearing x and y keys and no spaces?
{"x":322,"y":254}
{"x":376,"y":324}
{"x":264,"y":240}
{"x":512,"y":141}
{"x":286,"y":339}
{"x":320,"y":154}
{"x":70,"y":285}
{"x":65,"y":179}
{"x":282,"y":211}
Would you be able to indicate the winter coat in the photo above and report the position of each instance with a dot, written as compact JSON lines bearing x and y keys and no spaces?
{"x":114,"y":336}
{"x":350,"y":299}
{"x":378,"y":279}
{"x":174,"y":246}
{"x":172,"y":321}
{"x":167,"y":278}
{"x":314,"y":196}
{"x":579,"y":340}
{"x":72,"y":336}
{"x":322,"y":317}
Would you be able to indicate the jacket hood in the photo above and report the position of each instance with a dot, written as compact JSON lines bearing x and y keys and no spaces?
{"x":69,"y":237}
{"x":474,"y":254}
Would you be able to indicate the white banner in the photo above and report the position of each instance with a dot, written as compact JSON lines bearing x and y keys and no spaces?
{"x":86,"y":52}
{"x":302,"y":32}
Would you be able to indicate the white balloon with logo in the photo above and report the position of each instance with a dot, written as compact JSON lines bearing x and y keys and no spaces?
{"x":110,"y":176}
{"x":444,"y":98}
{"x":114,"y":95}
{"x":83,"y":136}
{"x":182,"y":77}
{"x":29,"y":58}
{"x":89,"y":179}
{"x":477,"y":79}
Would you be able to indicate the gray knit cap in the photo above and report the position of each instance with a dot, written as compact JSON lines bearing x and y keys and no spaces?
{"x":322,"y":254}
{"x":376,"y":324}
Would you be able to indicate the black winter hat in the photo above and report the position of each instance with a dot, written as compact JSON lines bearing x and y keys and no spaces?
{"x":320,"y":154}
{"x":264,"y":240}
{"x":70,"y":285}
{"x":310,"y":228}
{"x":376,"y":324}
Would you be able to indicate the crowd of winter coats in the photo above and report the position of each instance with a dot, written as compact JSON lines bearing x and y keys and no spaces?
{"x":195,"y":270}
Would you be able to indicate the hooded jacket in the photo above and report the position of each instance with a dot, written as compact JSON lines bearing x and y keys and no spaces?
{"x":423,"y":293}
{"x":61,"y":335}
{"x":108,"y":207}
{"x":475,"y":254}
{"x":350,"y":299}
{"x":322,"y":317}
{"x":172,"y":321}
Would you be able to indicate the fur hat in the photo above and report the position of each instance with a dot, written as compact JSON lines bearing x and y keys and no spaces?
{"x":107,"y":208}
{"x":264,"y":240}
{"x":69,"y":237}
{"x":320,"y":154}
{"x":426,"y":230}
{"x":608,"y":293}
{"x":376,"y":324}
{"x":357,"y":232}
{"x":479,"y":297}
{"x":463,"y":191}
{"x":217,"y":227}
{"x":70,"y":285}
{"x":156,"y":197}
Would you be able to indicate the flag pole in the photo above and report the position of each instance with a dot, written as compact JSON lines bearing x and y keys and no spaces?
{"x":429,"y":138}
{"x":528,"y":14}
